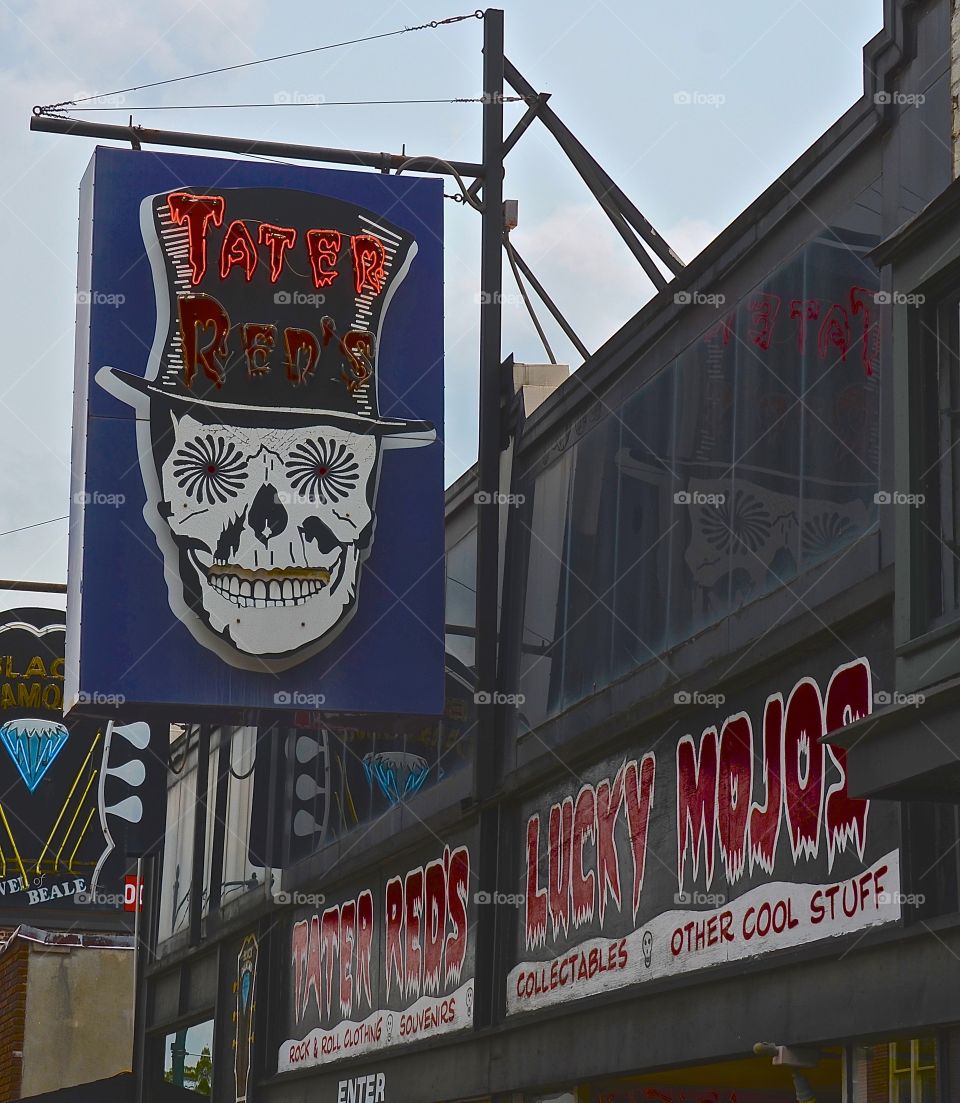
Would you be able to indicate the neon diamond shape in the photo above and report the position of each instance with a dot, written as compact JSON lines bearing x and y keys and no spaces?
{"x":33,"y":745}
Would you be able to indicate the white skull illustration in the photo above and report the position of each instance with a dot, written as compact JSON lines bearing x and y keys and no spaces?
{"x":273,"y":524}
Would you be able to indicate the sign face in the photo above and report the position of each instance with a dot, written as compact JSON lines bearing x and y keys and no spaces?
{"x":57,"y":810}
{"x":243,"y":1016}
{"x":258,"y":479}
{"x":383,"y":967}
{"x":713,"y":848}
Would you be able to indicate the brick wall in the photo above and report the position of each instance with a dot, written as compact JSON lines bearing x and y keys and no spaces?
{"x":13,"y":1001}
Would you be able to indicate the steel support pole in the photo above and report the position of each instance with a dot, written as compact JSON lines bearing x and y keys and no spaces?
{"x":488,"y":511}
{"x":199,"y":835}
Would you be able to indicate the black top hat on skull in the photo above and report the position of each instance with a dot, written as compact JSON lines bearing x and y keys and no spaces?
{"x":270,"y":307}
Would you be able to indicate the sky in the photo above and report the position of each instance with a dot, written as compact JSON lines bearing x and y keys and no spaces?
{"x":692,"y":107}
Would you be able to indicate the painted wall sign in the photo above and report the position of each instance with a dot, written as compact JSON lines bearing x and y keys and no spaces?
{"x":383,"y":967}
{"x":256,"y":458}
{"x":712,"y":848}
{"x":246,"y":990}
{"x":65,"y":790}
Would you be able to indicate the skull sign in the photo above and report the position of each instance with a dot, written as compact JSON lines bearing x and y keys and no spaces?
{"x":261,"y":470}
{"x":273,"y":523}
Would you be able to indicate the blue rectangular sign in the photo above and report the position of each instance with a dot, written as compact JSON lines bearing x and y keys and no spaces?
{"x":257,"y":514}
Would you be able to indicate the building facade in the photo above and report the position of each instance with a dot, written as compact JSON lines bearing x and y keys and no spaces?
{"x":724,"y":626}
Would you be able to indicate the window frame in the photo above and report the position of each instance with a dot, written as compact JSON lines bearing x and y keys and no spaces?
{"x":927,"y":643}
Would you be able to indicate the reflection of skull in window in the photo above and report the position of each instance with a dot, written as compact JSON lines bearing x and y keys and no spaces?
{"x":272,"y":526}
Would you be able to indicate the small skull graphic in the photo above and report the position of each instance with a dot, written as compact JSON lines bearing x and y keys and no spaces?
{"x":272,"y":526}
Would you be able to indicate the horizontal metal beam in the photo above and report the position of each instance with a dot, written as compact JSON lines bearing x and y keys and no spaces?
{"x":32,"y":587}
{"x":54,"y":124}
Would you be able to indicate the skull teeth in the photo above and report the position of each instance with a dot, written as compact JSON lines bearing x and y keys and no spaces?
{"x":264,"y":594}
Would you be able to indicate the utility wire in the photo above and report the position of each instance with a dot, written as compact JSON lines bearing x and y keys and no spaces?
{"x":24,"y":528}
{"x":432,"y":25}
{"x":286,"y":103}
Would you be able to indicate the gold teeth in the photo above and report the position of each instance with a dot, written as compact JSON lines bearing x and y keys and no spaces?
{"x":270,"y":574}
{"x":263,"y":591}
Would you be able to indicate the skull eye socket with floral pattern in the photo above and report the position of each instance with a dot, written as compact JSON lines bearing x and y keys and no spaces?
{"x":272,"y":526}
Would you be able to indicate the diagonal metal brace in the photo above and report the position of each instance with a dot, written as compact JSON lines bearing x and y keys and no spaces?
{"x":611,"y":197}
{"x":514,"y":136}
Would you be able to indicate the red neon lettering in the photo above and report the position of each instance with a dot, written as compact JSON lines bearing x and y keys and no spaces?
{"x":297,"y":342}
{"x":834,"y":333}
{"x":278,"y":239}
{"x":323,"y":248}
{"x":197,"y":211}
{"x":258,"y":343}
{"x":764,"y":310}
{"x":237,"y":248}
{"x":202,"y":312}
{"x":368,"y":263}
{"x":357,"y":346}
{"x":860,"y":300}
{"x":803,"y":311}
